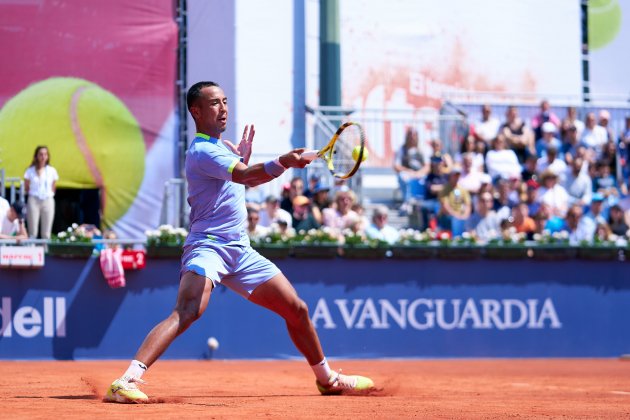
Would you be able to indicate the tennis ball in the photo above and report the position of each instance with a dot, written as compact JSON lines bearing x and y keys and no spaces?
{"x":604,"y":22}
{"x":93,"y":139}
{"x":356,"y":151}
{"x":213,"y":343}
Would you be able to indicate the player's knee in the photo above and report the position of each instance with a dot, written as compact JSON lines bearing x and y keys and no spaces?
{"x":299,"y":313}
{"x":188,"y":314}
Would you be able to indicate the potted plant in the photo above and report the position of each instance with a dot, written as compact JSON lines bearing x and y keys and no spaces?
{"x":509,"y":246}
{"x":165,"y":242}
{"x":356,"y":245}
{"x":553,"y":246}
{"x":462,"y":247}
{"x":414,"y":245}
{"x":276,"y":244}
{"x":74,"y":242}
{"x":601,"y":249}
{"x":316,"y":243}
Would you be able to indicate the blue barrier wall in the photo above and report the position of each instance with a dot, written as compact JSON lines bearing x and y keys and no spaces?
{"x":371,"y":308}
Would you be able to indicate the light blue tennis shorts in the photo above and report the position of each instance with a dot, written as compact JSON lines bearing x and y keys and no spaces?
{"x":238,"y":267}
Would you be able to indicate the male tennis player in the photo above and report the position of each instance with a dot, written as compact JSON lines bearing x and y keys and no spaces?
{"x":217,"y":249}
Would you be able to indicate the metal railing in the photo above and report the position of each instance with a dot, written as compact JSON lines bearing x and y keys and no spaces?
{"x":175,"y":209}
{"x":15,"y":186}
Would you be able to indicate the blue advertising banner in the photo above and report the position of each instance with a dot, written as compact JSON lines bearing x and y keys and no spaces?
{"x":362,"y":309}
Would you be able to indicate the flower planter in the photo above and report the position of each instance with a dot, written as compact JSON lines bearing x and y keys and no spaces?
{"x":164,"y":251}
{"x":598,"y":253}
{"x":316,"y":251}
{"x":273,"y":251}
{"x":506,"y":252}
{"x":70,"y":250}
{"x":554,"y":252}
{"x":413,"y":252}
{"x":459,"y":252}
{"x":363,"y":252}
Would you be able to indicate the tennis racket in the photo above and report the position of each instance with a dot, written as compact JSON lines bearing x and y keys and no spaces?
{"x":344,"y":152}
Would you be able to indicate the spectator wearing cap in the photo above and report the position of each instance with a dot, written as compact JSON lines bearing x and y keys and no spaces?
{"x":313,"y":182}
{"x":570,"y":122}
{"x":273,"y":213}
{"x":320,"y":201}
{"x":578,"y":183}
{"x":544,"y":115}
{"x":517,"y":135}
{"x":596,"y":211}
{"x":551,"y":161}
{"x":580,"y":228}
{"x":455,"y":204}
{"x":594,"y":136}
{"x":547,"y":139}
{"x":603,"y":121}
{"x":379,"y":228}
{"x":303,"y":218}
{"x":12,"y":224}
{"x":553,"y":194}
{"x":502,"y":162}
{"x":484,"y":222}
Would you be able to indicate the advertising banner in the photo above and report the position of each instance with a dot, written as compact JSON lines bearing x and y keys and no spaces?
{"x":95,"y":83}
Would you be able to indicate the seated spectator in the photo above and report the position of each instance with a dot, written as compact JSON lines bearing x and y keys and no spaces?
{"x":517,"y":135}
{"x":551,"y":162}
{"x":313,"y":182}
{"x":521,"y":220}
{"x":469,"y":147}
{"x":362,"y":219}
{"x":272,"y":213}
{"x":488,"y":127}
{"x":320,"y":201}
{"x":604,"y":182}
{"x":594,"y":136}
{"x":529,"y":168}
{"x":379,"y":228}
{"x":410,"y":166}
{"x":470,"y":179}
{"x":455,"y":204}
{"x":303,"y":218}
{"x":531,"y":198}
{"x":610,"y":155}
{"x":570,"y":145}
{"x":502,"y":162}
{"x":553,"y":194}
{"x":596,"y":209}
{"x":12,"y":224}
{"x":484,"y":223}
{"x":502,"y":204}
{"x":296,"y":187}
{"x":254,"y":230}
{"x":438,"y":153}
{"x":603,"y":121}
{"x":603,"y":232}
{"x":570,"y":122}
{"x":624,"y":149}
{"x":578,"y":183}
{"x":547,"y":140}
{"x":545,"y":115}
{"x":581,"y":229}
{"x":339,"y":216}
{"x":616,"y":221}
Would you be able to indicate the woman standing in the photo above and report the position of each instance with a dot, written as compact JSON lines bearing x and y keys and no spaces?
{"x":40,"y":181}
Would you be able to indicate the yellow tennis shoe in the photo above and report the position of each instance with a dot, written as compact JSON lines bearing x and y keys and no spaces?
{"x":125,"y":390}
{"x":345,"y":384}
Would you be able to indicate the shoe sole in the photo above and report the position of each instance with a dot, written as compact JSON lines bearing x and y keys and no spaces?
{"x":120,"y":399}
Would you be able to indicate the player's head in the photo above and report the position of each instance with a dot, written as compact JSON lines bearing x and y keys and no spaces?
{"x":207,"y":105}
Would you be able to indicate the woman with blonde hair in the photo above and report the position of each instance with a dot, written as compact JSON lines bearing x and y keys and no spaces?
{"x":40,"y":181}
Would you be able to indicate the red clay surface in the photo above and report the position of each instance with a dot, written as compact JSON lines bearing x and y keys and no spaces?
{"x":495,"y":389}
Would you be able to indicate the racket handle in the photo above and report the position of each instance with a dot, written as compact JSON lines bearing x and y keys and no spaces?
{"x":309,"y":155}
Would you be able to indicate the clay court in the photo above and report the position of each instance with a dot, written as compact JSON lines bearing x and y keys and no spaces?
{"x":552,"y":388}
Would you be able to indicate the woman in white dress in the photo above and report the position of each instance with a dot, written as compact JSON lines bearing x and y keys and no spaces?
{"x":40,"y":181}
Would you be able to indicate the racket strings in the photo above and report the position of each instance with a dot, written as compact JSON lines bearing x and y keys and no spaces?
{"x":342,"y":159}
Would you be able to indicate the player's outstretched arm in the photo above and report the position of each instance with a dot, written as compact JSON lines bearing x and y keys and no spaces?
{"x":264,"y":172}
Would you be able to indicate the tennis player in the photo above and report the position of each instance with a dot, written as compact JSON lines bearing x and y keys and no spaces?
{"x":217,"y":249}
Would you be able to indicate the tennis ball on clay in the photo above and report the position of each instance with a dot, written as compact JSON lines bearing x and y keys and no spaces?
{"x":604,"y":22}
{"x":356,"y":151}
{"x":93,"y":139}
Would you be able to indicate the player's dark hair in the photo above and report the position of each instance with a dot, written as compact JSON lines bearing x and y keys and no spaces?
{"x":194,"y":92}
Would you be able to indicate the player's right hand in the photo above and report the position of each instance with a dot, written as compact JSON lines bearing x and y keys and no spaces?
{"x":294,"y":159}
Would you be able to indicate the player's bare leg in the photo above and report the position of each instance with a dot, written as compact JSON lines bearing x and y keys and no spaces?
{"x":192,"y":300}
{"x":279,"y":296}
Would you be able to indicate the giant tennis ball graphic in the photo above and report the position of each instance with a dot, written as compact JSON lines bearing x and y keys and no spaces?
{"x":93,"y":139}
{"x":604,"y":22}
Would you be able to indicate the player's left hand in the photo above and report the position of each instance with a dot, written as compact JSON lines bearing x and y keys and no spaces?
{"x":244,"y":148}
